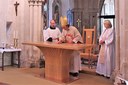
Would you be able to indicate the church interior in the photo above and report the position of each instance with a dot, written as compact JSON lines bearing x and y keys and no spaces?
{"x":24,"y":21}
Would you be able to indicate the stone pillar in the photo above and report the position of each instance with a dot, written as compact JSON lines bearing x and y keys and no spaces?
{"x":31,"y":6}
{"x":35,"y":29}
{"x":40,"y":19}
{"x":117,"y":42}
{"x":125,"y":40}
{"x":121,"y":40}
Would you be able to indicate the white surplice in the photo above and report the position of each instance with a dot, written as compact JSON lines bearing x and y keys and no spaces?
{"x":53,"y":33}
{"x":105,"y":67}
{"x":73,"y":35}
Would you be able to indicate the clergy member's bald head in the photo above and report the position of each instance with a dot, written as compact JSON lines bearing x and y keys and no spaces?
{"x":107,"y":24}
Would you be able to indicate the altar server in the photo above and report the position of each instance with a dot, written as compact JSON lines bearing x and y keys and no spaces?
{"x":52,"y":33}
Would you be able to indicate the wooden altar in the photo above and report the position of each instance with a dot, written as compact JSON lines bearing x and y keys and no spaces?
{"x":57,"y":57}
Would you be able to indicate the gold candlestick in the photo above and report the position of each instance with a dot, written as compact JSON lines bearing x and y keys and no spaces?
{"x":15,"y":42}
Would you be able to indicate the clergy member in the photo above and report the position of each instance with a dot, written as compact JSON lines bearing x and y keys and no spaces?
{"x":52,"y":33}
{"x":105,"y":65}
{"x":71,"y":35}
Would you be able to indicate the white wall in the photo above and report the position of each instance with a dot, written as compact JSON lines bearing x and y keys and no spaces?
{"x":3,"y":12}
{"x":19,"y":23}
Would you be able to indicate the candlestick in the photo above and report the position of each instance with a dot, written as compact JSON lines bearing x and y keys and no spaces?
{"x":15,"y":42}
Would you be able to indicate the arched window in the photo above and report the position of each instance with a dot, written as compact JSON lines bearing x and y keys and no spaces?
{"x":107,"y":13}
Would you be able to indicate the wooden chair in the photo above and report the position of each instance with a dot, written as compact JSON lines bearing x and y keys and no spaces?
{"x":89,"y":38}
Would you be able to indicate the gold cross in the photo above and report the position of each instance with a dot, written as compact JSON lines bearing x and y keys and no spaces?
{"x":78,"y":22}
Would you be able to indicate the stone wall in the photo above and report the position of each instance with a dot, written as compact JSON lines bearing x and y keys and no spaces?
{"x":90,"y":10}
{"x":26,"y":25}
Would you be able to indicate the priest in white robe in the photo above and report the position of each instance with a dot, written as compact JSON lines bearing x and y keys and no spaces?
{"x":52,"y":33}
{"x":71,"y":35}
{"x":105,"y":65}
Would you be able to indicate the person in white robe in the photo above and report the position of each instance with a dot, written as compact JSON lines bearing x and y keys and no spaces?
{"x":52,"y":33}
{"x":105,"y":64}
{"x":71,"y":35}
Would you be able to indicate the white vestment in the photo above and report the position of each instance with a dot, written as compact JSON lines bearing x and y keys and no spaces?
{"x":71,"y":34}
{"x":105,"y":67}
{"x":74,"y":35}
{"x":53,"y":33}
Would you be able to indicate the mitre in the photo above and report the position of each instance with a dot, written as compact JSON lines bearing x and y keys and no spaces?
{"x":63,"y":21}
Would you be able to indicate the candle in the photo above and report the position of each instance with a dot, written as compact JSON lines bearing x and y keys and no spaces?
{"x":14,"y":34}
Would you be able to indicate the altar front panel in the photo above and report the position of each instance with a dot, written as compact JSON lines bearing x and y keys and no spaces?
{"x":57,"y":64}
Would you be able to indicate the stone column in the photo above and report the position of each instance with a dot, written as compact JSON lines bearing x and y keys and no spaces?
{"x":35,"y":29}
{"x":40,"y":18}
{"x":125,"y":40}
{"x":31,"y":6}
{"x":117,"y":42}
{"x":121,"y":40}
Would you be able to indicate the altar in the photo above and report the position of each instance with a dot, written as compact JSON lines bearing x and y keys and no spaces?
{"x":57,"y":57}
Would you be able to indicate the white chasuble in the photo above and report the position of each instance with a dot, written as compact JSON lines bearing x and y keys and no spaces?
{"x":71,"y":35}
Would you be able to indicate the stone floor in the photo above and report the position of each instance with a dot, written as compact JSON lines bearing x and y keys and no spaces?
{"x":32,"y":76}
